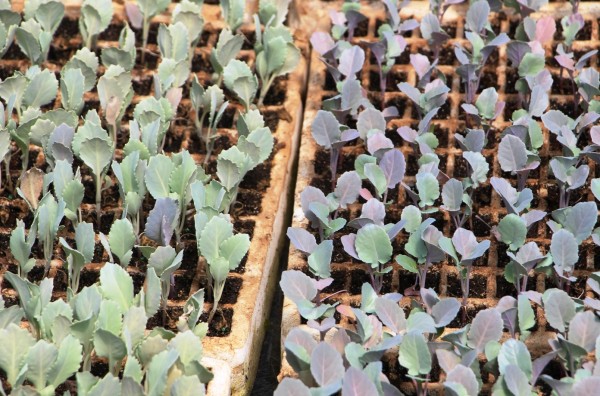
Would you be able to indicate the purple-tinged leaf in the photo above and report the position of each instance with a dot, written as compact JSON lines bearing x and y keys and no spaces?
{"x":586,"y":386}
{"x":374,"y":210}
{"x":160,"y":224}
{"x":512,"y":154}
{"x":368,"y":120}
{"x":326,"y":129}
{"x":539,"y":101}
{"x":477,"y":16}
{"x":444,"y":311}
{"x":322,"y":42}
{"x":393,"y":166}
{"x":323,"y":283}
{"x":348,"y":188}
{"x":327,"y":366}
{"x":357,"y":383}
{"x":421,"y":64}
{"x":409,"y":134}
{"x":464,"y":376}
{"x":545,"y":29}
{"x":516,"y":50}
{"x":291,"y":387}
{"x":378,"y":144}
{"x":309,"y":195}
{"x":348,"y":244}
{"x":584,"y":329}
{"x":516,"y":380}
{"x":540,"y":364}
{"x":486,"y":327}
{"x":395,"y":229}
{"x":297,"y":286}
{"x":390,"y":314}
{"x":302,"y":239}
{"x":351,"y":61}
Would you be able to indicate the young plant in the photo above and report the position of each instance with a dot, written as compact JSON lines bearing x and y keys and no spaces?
{"x":240,"y":80}
{"x":346,"y":21}
{"x":515,"y":158}
{"x":227,"y":48}
{"x":77,"y":77}
{"x":171,"y":177}
{"x":120,"y":242}
{"x":391,"y":43}
{"x":483,"y":42}
{"x":48,"y":217}
{"x":124,"y":54}
{"x":132,"y":188}
{"x":41,"y":19}
{"x":189,"y":13}
{"x":276,"y":55}
{"x":94,"y":147}
{"x":78,"y":257}
{"x":174,"y":68}
{"x":234,"y":163}
{"x":20,"y":247}
{"x":95,"y":18}
{"x":423,"y":245}
{"x":165,"y":261}
{"x":233,"y":13}
{"x":140,"y":13}
{"x":115,"y":93}
{"x":210,"y":102}
{"x":465,"y":244}
{"x":9,"y":21}
{"x":273,"y":12}
{"x":68,"y":188}
{"x":332,"y":136}
{"x":222,"y":250}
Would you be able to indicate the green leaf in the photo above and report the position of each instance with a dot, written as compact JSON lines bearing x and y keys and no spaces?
{"x":414,"y":354}
{"x":216,"y":231}
{"x":187,"y":385}
{"x":559,"y":309}
{"x":373,"y":245}
{"x":109,"y":346}
{"x":15,"y":341}
{"x":429,"y":189}
{"x":152,"y":292}
{"x":39,"y":361}
{"x":513,"y":231}
{"x":156,"y":376}
{"x":239,"y":79}
{"x":97,"y":154}
{"x":67,"y":361}
{"x":376,"y":176}
{"x":41,"y":90}
{"x":514,"y":352}
{"x":116,"y":285}
{"x":234,"y":248}
{"x":121,"y":239}
{"x":531,"y":65}
{"x":319,"y":260}
{"x":158,"y":175}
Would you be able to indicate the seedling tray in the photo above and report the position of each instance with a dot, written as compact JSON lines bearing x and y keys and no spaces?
{"x":232,"y":347}
{"x":488,"y":284}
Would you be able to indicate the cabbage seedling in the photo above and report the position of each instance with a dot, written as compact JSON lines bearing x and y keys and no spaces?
{"x":140,"y":13}
{"x":222,"y":250}
{"x":95,"y":18}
